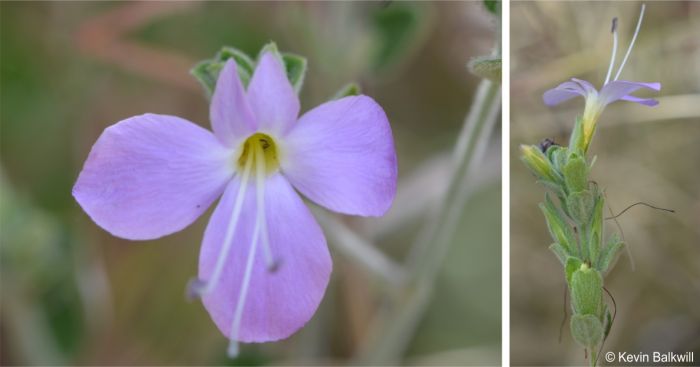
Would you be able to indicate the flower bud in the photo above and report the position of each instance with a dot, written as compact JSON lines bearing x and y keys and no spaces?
{"x":538,"y":163}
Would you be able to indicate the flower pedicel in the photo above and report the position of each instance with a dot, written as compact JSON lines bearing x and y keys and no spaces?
{"x":264,"y":264}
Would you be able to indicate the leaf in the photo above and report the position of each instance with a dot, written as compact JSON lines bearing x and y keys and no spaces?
{"x":396,"y":27}
{"x":596,"y":231}
{"x":492,"y":6}
{"x":580,"y":206}
{"x":487,"y":67}
{"x":576,"y":173}
{"x":610,"y":253}
{"x":586,"y":330}
{"x":559,"y":229}
{"x":572,"y":264}
{"x":587,"y":291}
{"x":350,"y":89}
{"x":559,"y":252}
{"x":608,"y":323}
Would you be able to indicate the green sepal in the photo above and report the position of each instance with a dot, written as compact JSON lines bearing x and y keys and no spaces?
{"x":560,"y":252}
{"x":580,"y":206}
{"x":207,"y":71}
{"x":350,"y":89}
{"x":587,"y":291}
{"x":558,"y":227}
{"x":295,"y":66}
{"x":245,"y":64}
{"x":575,"y":173}
{"x":610,"y":253}
{"x":572,"y":264}
{"x":586,"y":330}
{"x":576,"y":141}
{"x":595,"y":242}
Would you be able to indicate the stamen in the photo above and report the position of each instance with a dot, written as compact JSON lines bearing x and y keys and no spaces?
{"x":614,"y":50}
{"x":634,"y":38}
{"x":260,"y":225}
{"x":270,"y":262}
{"x":198,"y":288}
{"x":238,"y":313}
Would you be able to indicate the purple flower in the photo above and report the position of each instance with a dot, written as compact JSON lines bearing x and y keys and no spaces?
{"x":611,"y":91}
{"x":264,"y":264}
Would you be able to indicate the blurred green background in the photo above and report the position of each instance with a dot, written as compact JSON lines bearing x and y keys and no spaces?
{"x":644,"y":154}
{"x":73,"y":294}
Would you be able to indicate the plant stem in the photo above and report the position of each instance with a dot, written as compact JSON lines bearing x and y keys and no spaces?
{"x":357,"y":248}
{"x":397,"y":324}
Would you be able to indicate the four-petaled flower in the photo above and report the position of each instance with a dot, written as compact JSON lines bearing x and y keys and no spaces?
{"x":610,"y":92}
{"x":264,"y":264}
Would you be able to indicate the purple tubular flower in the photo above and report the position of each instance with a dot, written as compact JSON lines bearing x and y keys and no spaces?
{"x":264,"y":264}
{"x":612,"y":91}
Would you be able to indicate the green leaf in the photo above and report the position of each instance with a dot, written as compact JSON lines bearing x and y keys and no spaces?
{"x":397,"y":28}
{"x":587,"y":291}
{"x":595,"y":241}
{"x":559,"y":252}
{"x":580,"y":206}
{"x":576,"y":173}
{"x":608,"y":323}
{"x":610,"y":253}
{"x":558,"y":227}
{"x":492,"y":6}
{"x":487,"y":67}
{"x":586,"y":330}
{"x":350,"y":89}
{"x":572,"y":264}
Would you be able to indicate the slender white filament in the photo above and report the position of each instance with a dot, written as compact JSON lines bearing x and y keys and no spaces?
{"x":259,"y":227}
{"x":269,"y":259}
{"x":614,"y":52}
{"x":230,"y":232}
{"x":243,"y":293}
{"x":634,"y":38}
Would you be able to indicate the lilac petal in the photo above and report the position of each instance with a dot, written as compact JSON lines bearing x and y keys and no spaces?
{"x":151,"y":175}
{"x":562,"y":93}
{"x":279,"y":302}
{"x":618,"y":89}
{"x":272,"y":96}
{"x":231,"y":116}
{"x":341,"y":155}
{"x":645,"y":101}
{"x":586,"y":86}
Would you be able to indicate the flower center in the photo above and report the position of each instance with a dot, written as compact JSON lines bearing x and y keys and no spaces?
{"x":267,"y":152}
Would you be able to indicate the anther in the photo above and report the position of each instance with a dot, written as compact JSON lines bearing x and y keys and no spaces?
{"x":614,"y":25}
{"x":195,"y":289}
